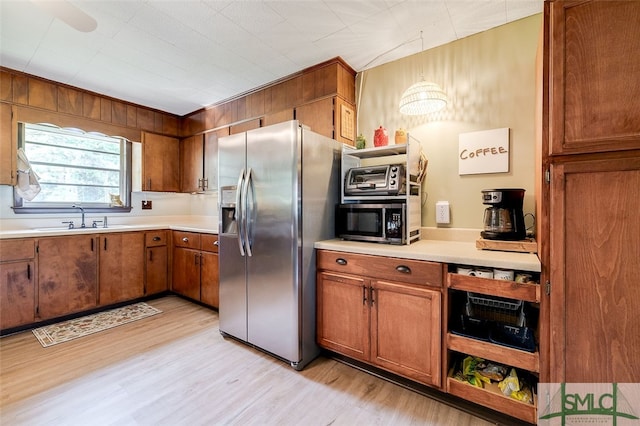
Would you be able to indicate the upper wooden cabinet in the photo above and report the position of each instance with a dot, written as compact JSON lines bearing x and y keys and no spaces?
{"x":594,"y":70}
{"x":331,"y":117}
{"x":7,"y":146}
{"x":192,"y":163}
{"x":160,"y":163}
{"x":199,"y":161}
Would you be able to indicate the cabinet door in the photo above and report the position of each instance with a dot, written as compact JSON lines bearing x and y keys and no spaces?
{"x":121,"y":267}
{"x":594,"y":271}
{"x":17,"y":294}
{"x":211,"y":158}
{"x":593,"y":60}
{"x":7,"y":146}
{"x":191,"y":163}
{"x":318,"y":115}
{"x":156,"y":268}
{"x":343,"y":314}
{"x":67,"y":275}
{"x":210,"y":279}
{"x":186,"y":272}
{"x":405,"y":330}
{"x":160,"y":163}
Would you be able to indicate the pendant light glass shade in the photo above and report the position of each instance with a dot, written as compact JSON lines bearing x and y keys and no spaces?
{"x":422,"y":98}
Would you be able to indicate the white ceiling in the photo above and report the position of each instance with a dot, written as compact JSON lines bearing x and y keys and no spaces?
{"x":178,"y":56}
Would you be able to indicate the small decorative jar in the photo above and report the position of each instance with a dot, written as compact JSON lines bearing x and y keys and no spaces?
{"x":380,"y":137}
{"x":361,"y":142}
{"x":401,"y":136}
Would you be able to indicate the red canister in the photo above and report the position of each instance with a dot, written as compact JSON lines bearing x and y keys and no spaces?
{"x":380,"y":137}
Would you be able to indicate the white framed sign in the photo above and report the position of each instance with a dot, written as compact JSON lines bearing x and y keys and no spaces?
{"x":486,"y":151}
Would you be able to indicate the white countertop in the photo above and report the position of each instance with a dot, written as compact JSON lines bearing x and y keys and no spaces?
{"x":458,"y":252}
{"x":207,"y":225}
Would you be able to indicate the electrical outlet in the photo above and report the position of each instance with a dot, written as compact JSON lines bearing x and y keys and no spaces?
{"x":146,"y":205}
{"x":442,"y":212}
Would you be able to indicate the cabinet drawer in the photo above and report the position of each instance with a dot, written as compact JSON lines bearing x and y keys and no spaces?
{"x":186,"y":239}
{"x":209,"y":242}
{"x":387,"y":268}
{"x":155,"y":238}
{"x":16,"y":250}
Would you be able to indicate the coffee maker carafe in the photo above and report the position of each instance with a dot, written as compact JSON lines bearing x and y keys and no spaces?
{"x":504,"y":219}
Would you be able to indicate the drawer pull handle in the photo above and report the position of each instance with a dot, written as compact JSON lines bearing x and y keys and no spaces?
{"x":403,"y":269}
{"x":156,"y":238}
{"x":185,"y":240}
{"x":341,"y":261}
{"x":216,"y":243}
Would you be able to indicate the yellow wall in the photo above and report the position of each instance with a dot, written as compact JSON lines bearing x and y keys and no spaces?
{"x":490,"y":81}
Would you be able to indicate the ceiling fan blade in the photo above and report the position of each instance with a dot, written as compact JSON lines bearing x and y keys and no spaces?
{"x":69,"y":14}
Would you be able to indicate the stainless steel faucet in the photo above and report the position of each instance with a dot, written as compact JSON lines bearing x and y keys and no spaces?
{"x":82,"y":211}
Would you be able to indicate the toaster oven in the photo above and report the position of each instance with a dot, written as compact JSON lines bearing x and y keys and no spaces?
{"x":388,"y":179}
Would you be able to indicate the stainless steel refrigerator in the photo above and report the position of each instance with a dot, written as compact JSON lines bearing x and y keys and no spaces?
{"x":277,"y":191}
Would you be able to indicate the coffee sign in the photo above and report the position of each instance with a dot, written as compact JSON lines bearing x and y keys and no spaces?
{"x":485,"y":151}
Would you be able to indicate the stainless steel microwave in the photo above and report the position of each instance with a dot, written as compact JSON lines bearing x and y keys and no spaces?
{"x":380,"y":223}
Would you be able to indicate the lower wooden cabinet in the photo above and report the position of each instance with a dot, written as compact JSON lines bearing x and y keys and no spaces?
{"x":67,"y":275}
{"x":121,"y":270}
{"x":17,"y":283}
{"x":389,"y":323}
{"x":195,"y":266}
{"x":156,"y":262}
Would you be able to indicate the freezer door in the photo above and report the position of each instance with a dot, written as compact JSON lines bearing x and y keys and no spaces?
{"x":233,"y":276}
{"x":272,"y":277}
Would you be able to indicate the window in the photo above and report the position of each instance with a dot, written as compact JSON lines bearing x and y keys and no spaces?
{"x":75,"y":168}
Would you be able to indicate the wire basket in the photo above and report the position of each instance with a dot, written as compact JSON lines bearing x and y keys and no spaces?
{"x":493,"y":308}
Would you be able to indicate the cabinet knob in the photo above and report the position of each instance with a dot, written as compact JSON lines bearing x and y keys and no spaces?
{"x":185,"y":240}
{"x":341,"y":261}
{"x":156,"y":238}
{"x":216,"y":243}
{"x":403,"y":269}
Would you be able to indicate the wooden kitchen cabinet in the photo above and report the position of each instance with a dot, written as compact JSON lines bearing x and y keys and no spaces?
{"x":160,"y":163}
{"x":195,"y":266}
{"x":67,"y":275}
{"x":392,"y":321}
{"x":192,"y":164}
{"x":209,"y":273}
{"x":121,"y":267}
{"x":332,"y":117}
{"x":590,"y":149}
{"x":8,"y":146}
{"x":199,"y":161}
{"x":593,"y":59}
{"x":156,"y":262}
{"x":17,"y":282}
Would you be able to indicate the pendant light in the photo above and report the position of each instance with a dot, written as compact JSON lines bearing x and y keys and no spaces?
{"x":422,"y":97}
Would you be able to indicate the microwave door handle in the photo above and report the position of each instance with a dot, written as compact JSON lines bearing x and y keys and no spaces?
{"x":239,"y":212}
{"x":249,"y":212}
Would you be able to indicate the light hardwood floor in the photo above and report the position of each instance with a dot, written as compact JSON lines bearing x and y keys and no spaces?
{"x":176,"y":369}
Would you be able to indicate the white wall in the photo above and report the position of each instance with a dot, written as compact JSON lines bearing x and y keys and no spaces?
{"x":164,"y":204}
{"x":490,"y":80}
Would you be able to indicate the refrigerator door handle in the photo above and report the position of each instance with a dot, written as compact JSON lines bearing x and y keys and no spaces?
{"x":240,"y":212}
{"x":248,"y":212}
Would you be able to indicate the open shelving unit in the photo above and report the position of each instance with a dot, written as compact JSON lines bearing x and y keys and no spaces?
{"x":460,"y":345}
{"x":409,"y":155}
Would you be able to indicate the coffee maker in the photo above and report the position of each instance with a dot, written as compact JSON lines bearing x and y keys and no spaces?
{"x":504,"y":219}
